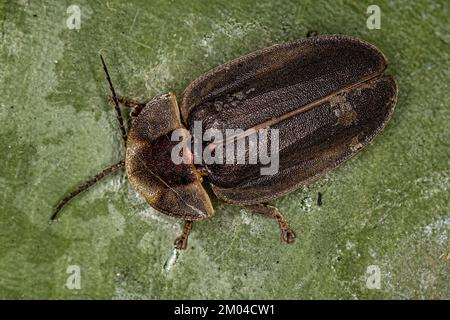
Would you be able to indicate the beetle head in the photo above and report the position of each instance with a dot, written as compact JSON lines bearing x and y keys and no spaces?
{"x":174,"y":189}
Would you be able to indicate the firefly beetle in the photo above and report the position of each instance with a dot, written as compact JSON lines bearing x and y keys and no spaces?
{"x":326,"y":95}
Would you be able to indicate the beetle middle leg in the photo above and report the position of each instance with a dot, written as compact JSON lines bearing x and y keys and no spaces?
{"x":287,"y":234}
{"x":182,"y":240}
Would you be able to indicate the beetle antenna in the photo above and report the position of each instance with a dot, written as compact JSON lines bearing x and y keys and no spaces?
{"x":89,"y":183}
{"x":116,"y":101}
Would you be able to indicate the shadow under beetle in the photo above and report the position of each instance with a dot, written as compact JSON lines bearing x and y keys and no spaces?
{"x":327,"y":95}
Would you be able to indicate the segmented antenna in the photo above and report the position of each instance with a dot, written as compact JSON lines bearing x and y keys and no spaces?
{"x":120,"y":165}
{"x":116,"y":102}
{"x":87,"y":185}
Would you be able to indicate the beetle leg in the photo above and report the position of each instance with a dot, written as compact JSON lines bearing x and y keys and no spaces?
{"x":182,"y":240}
{"x":287,"y":234}
{"x":202,"y":170}
{"x":136,"y":106}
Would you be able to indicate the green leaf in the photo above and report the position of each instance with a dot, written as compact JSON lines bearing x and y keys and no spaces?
{"x":388,"y":207}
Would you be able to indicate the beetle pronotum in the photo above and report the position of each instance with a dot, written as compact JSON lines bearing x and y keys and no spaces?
{"x":326,"y":95}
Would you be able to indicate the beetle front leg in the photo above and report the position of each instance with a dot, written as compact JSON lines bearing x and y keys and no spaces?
{"x":181,"y":242}
{"x":202,"y":170}
{"x":287,"y":234}
{"x":136,"y":106}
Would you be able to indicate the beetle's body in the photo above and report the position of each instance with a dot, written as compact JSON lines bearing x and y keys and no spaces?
{"x":327,"y":96}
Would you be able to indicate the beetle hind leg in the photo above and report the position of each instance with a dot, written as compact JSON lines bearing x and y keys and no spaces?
{"x":287,"y":234}
{"x":181,"y":241}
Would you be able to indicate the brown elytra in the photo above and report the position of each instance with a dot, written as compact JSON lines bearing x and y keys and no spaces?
{"x":326,"y":95}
